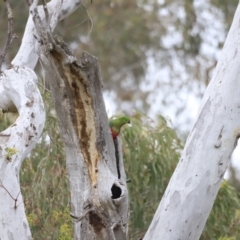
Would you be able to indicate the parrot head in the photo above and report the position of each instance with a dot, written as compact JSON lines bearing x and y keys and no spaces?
{"x":125,"y":120}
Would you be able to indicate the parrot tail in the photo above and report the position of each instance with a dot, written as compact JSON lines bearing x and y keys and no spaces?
{"x":115,"y":140}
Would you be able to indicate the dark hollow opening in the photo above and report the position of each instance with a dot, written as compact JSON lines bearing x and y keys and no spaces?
{"x":116,"y":192}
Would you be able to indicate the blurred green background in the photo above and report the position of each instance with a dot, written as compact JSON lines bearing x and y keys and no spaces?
{"x":151,"y":151}
{"x":126,"y":37}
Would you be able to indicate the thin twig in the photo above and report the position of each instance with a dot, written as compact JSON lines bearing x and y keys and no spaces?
{"x":45,"y":11}
{"x":78,"y":219}
{"x":54,"y":143}
{"x":29,"y":2}
{"x":1,"y":185}
{"x":10,"y":35}
{"x":44,"y":88}
{"x":81,"y":23}
{"x":91,"y":21}
{"x":44,"y":81}
{"x":14,"y":199}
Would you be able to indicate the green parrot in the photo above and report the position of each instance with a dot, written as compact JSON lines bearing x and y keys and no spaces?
{"x":116,"y":124}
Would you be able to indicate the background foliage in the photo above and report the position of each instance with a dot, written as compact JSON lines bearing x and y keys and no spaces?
{"x":151,"y":152}
{"x":134,"y":40}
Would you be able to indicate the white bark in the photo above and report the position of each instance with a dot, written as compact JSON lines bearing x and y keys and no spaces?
{"x":194,"y":185}
{"x":19,"y":92}
{"x":29,"y":49}
{"x":19,"y":87}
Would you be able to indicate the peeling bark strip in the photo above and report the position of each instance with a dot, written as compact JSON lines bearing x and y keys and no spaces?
{"x":85,"y":120}
{"x":81,"y":110}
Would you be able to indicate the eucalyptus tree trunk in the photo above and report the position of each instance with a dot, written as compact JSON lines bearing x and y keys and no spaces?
{"x":99,"y":199}
{"x":18,"y":91}
{"x":190,"y":195}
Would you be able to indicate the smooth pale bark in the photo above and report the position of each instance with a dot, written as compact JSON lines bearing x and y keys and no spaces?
{"x":19,"y":93}
{"x":19,"y":86}
{"x":190,"y":195}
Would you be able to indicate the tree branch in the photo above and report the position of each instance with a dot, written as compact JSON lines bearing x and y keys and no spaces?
{"x":10,"y":35}
{"x":192,"y":190}
{"x":18,"y":88}
{"x":57,"y":10}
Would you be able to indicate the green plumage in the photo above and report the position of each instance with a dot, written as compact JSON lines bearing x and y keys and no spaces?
{"x":116,"y":124}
